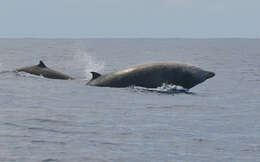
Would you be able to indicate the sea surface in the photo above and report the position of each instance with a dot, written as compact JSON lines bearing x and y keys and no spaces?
{"x":47,"y":120}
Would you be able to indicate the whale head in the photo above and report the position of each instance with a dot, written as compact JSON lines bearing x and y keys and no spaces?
{"x":195,"y":76}
{"x":207,"y":75}
{"x":187,"y":76}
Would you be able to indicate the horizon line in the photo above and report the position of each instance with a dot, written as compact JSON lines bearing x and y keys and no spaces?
{"x":129,"y":38}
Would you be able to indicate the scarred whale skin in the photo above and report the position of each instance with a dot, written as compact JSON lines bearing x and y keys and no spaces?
{"x":152,"y":75}
{"x":42,"y":70}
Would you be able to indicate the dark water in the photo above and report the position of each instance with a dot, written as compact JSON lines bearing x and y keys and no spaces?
{"x":54,"y":120}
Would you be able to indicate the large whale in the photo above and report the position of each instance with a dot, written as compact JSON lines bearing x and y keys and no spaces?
{"x":152,"y":75}
{"x":42,"y":70}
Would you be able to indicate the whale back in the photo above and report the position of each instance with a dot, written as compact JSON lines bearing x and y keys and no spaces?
{"x":42,"y":70}
{"x":154,"y":75}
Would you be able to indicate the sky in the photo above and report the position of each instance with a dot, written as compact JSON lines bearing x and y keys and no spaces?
{"x":129,"y":19}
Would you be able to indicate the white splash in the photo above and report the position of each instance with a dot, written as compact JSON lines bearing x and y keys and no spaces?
{"x":169,"y":88}
{"x":165,"y":88}
{"x":89,"y":63}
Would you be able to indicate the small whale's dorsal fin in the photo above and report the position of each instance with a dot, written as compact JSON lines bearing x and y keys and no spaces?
{"x":95,"y":75}
{"x":41,"y":64}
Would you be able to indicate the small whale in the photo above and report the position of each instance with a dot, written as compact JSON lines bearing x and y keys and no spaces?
{"x":42,"y":70}
{"x":152,"y":75}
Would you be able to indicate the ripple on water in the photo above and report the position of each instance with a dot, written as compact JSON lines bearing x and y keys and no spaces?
{"x":34,"y":128}
{"x":48,"y":142}
{"x":50,"y":160}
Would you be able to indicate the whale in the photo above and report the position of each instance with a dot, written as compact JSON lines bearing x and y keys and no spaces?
{"x":153,"y":75}
{"x":42,"y":70}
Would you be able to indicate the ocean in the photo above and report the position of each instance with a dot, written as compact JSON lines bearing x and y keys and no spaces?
{"x":49,"y":120}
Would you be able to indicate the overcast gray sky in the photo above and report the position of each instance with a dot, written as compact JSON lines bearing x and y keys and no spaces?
{"x":130,"y":18}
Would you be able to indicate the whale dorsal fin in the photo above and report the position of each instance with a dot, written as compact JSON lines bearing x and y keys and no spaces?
{"x":95,"y":75}
{"x":41,"y":64}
